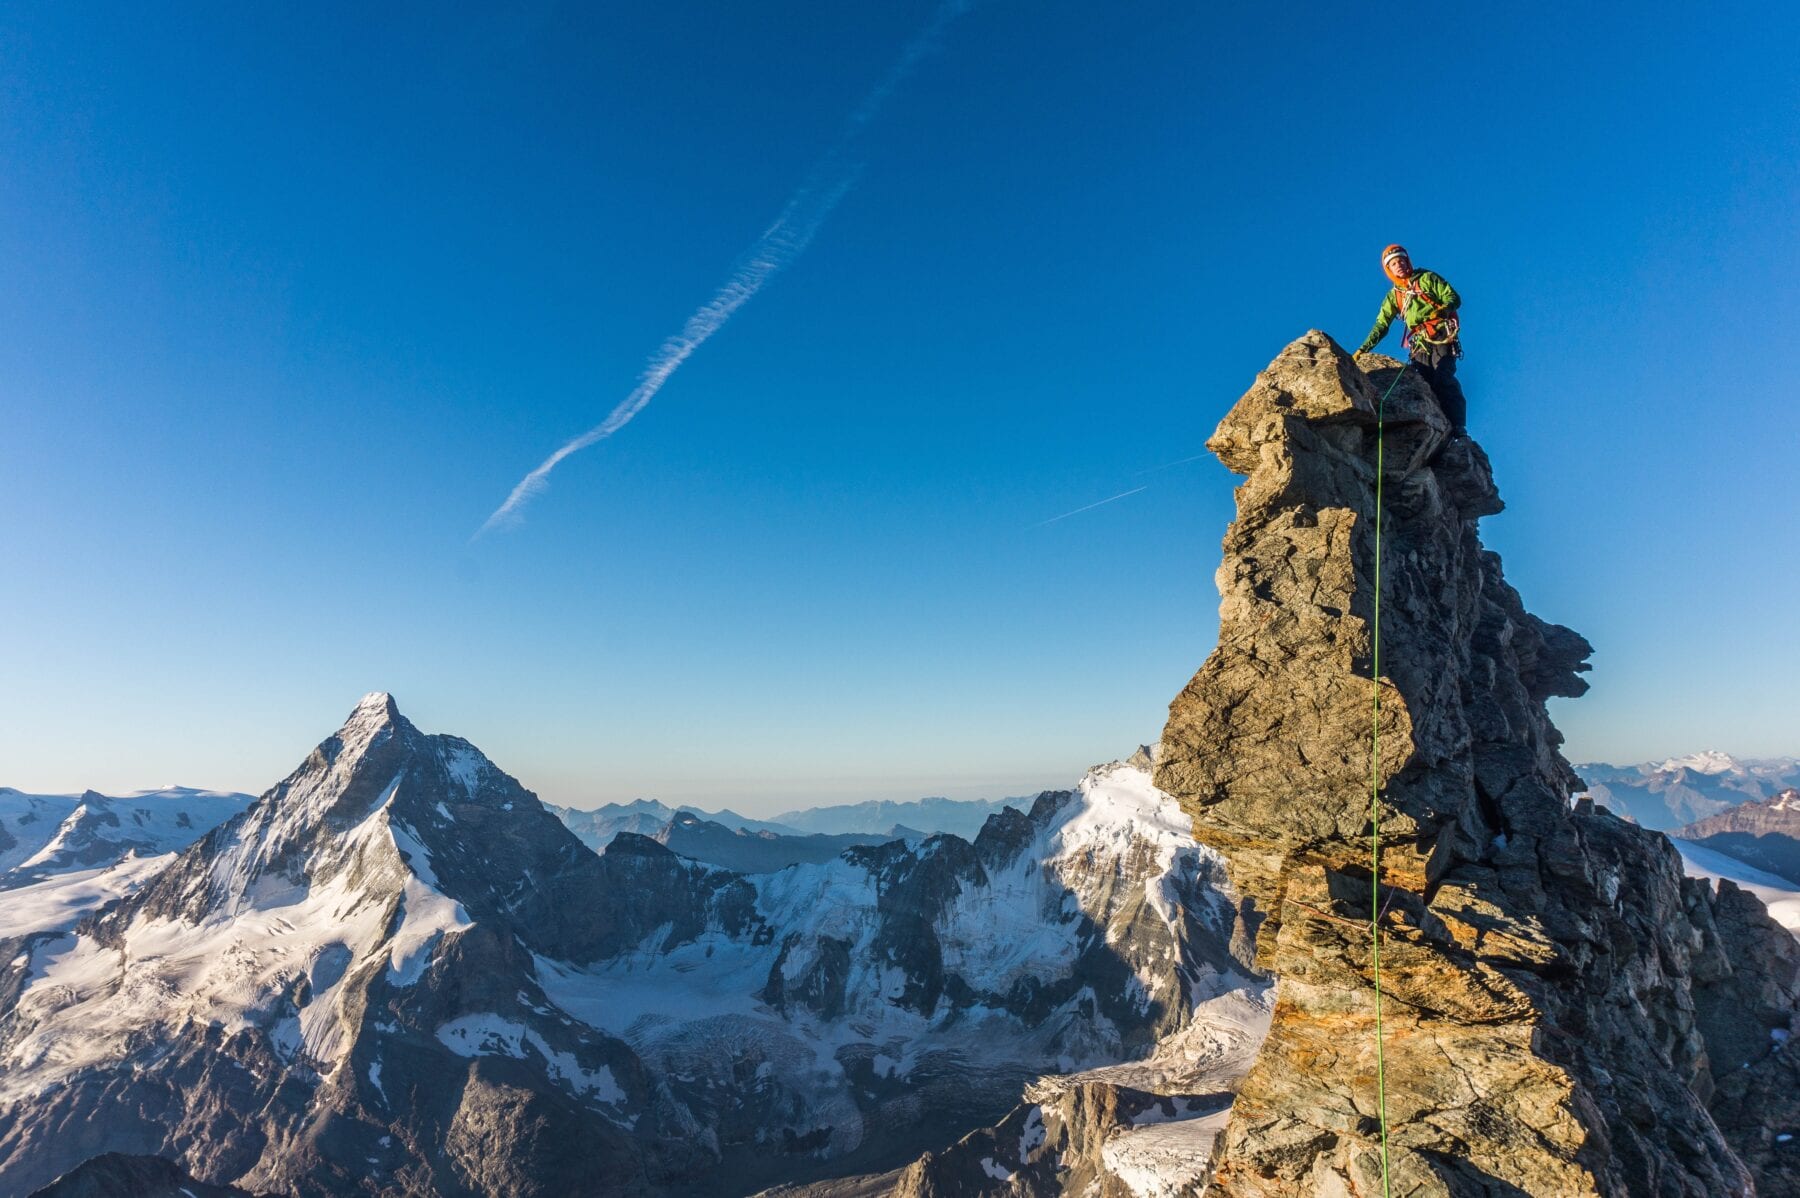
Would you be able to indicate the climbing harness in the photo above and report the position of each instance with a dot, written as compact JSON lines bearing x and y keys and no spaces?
{"x":1440,"y":328}
{"x":1375,"y":904}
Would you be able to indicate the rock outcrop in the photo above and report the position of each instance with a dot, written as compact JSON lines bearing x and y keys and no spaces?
{"x":1558,"y":1000}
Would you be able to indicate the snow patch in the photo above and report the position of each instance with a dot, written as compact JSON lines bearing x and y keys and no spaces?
{"x":1164,"y":1159}
{"x":493,"y":1035}
{"x":1033,"y":1135}
{"x":466,"y":767}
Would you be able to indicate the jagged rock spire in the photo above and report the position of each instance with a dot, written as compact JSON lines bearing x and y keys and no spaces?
{"x":1541,"y":1034}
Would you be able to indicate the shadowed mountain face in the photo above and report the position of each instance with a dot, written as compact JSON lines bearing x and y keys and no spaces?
{"x":116,"y":1175}
{"x":1561,"y":1005}
{"x":1763,"y":834}
{"x":397,"y":972}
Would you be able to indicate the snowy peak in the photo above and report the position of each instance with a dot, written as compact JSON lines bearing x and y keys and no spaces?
{"x":383,"y":816}
{"x":376,"y":707}
{"x":378,"y":804}
{"x":1711,"y":761}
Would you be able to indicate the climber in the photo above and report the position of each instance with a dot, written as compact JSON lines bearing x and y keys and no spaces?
{"x":1427,"y":304}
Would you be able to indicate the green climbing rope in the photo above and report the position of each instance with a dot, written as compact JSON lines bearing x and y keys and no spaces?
{"x":1375,"y":783}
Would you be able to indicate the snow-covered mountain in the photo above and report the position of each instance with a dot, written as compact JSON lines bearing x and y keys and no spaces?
{"x":1708,"y":761}
{"x":62,"y":856}
{"x":397,"y":972}
{"x":1667,"y":794}
{"x":42,"y":835}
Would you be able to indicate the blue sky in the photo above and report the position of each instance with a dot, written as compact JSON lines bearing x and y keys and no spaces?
{"x":292,"y":299}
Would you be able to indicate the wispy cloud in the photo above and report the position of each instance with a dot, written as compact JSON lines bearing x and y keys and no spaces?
{"x":1090,"y":507}
{"x":779,"y":245}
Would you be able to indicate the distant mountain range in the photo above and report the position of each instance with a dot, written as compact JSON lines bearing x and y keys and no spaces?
{"x":750,"y":852}
{"x":1669,"y":794}
{"x":396,"y":972}
{"x":958,"y":817}
{"x":817,"y":834}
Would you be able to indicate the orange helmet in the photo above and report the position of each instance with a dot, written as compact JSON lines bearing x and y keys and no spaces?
{"x":1396,"y":262}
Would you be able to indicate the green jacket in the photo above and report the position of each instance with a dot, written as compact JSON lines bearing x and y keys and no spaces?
{"x":1417,"y":311}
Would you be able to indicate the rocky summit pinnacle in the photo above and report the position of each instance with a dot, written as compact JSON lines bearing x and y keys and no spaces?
{"x":1561,"y":1011}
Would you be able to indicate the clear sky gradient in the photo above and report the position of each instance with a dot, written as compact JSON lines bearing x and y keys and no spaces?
{"x":291,"y":298}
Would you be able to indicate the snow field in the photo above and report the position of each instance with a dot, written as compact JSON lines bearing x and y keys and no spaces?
{"x":1780,"y":896}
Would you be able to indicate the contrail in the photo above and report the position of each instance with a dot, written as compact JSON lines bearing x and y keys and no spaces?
{"x":779,"y":245}
{"x":1176,"y":462}
{"x":1090,"y":507}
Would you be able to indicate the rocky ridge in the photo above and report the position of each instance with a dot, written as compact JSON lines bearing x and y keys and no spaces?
{"x":1562,"y":1014}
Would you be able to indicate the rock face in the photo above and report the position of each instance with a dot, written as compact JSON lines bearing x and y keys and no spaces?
{"x":1763,"y":834}
{"x":1558,"y":1000}
{"x":1089,"y":1138}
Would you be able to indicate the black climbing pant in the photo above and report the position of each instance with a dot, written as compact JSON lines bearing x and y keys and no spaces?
{"x":1436,"y":364}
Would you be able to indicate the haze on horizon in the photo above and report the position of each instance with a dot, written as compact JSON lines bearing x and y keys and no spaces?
{"x":293,"y":299}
